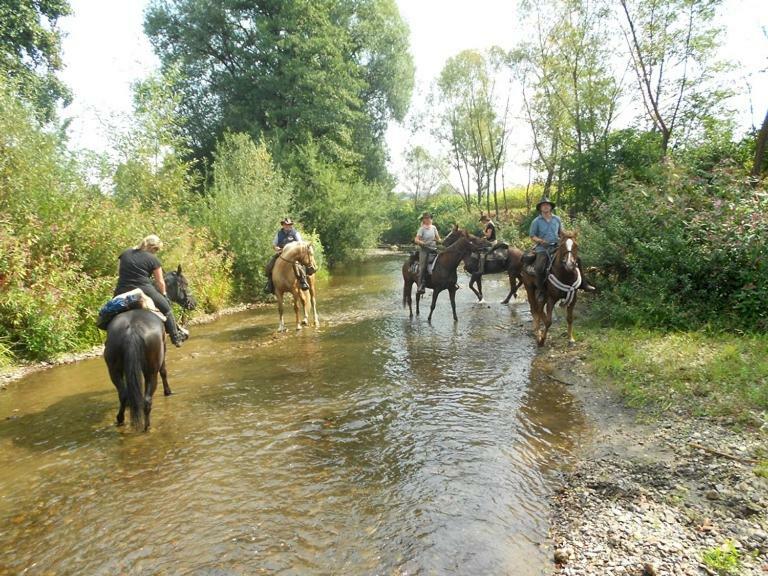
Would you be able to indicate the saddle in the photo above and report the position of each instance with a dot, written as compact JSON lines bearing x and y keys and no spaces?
{"x":431,"y":261}
{"x":122,"y":303}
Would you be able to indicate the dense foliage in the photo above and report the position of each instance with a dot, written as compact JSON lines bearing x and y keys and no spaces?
{"x":30,"y":52}
{"x":60,"y":237}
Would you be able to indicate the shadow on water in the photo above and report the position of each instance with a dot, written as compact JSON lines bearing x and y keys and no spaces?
{"x":373,"y":445}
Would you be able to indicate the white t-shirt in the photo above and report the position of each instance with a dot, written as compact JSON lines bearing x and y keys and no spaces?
{"x":428,"y":235}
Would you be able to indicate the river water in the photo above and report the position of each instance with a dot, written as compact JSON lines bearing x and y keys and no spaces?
{"x":372,"y":445}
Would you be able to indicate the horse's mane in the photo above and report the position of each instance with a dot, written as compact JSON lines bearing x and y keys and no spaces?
{"x":462,"y":235}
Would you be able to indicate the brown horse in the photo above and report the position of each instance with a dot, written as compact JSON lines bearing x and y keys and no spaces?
{"x":563,"y":282}
{"x":507,"y":259}
{"x":285,"y":278}
{"x":443,"y":277}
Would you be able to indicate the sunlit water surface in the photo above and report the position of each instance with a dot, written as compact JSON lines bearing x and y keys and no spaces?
{"x":373,"y":445}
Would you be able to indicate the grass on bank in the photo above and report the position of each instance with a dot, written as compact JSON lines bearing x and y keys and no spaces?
{"x":715,"y":375}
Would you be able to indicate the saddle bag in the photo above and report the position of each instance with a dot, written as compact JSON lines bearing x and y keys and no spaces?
{"x":118,"y":304}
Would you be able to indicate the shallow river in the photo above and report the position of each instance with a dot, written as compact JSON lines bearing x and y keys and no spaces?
{"x":372,"y":445}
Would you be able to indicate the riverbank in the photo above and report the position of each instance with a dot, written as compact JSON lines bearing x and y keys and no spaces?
{"x":669,"y":495}
{"x":18,"y":371}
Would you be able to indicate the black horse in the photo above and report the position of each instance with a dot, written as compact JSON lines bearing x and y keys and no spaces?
{"x":135,"y":353}
{"x":501,"y":258}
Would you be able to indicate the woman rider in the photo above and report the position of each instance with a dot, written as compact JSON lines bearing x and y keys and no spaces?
{"x":137,"y":268}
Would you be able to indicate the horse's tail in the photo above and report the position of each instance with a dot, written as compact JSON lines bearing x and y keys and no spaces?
{"x":132,"y":371}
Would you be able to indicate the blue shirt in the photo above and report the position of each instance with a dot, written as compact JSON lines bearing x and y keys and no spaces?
{"x":549,"y":231}
{"x":284,"y":237}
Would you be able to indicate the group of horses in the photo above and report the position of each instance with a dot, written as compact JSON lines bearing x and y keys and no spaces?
{"x":562,"y":283}
{"x":135,"y":348}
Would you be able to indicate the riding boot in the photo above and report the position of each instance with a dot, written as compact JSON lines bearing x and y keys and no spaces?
{"x":303,"y":281}
{"x":585,"y":284}
{"x":421,"y":289}
{"x":269,"y":288}
{"x":176,"y":334}
{"x":541,"y":285}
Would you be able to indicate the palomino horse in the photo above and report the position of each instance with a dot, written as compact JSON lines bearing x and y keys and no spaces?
{"x":563,"y":282}
{"x":507,"y":259}
{"x":135,"y":353}
{"x":459,"y":244}
{"x":285,"y":279}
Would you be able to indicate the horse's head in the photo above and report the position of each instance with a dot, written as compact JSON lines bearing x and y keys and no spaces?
{"x":567,"y":251}
{"x":304,"y":254}
{"x":454,"y":235}
{"x":177,"y":288}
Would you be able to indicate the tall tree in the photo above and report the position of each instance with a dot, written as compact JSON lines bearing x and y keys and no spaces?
{"x":570,"y":93}
{"x":672,"y":45}
{"x":423,"y":174}
{"x":30,"y":51}
{"x":473,"y":121}
{"x":330,"y":72}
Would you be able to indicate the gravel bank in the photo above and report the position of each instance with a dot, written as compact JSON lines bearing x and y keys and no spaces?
{"x":652,"y":497}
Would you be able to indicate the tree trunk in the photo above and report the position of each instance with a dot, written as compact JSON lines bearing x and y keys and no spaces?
{"x":762,"y":141}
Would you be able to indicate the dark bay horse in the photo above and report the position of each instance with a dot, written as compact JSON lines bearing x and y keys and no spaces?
{"x":563,"y":282}
{"x":502,"y":258}
{"x":285,"y":279}
{"x":443,"y":277}
{"x":135,"y":353}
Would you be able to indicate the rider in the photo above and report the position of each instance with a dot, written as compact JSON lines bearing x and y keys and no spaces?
{"x":135,"y":268}
{"x":545,"y":232}
{"x":426,"y":239}
{"x":489,"y":233}
{"x":285,"y":235}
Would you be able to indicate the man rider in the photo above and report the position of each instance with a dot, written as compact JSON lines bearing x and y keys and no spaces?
{"x":285,"y":235}
{"x":545,"y":232}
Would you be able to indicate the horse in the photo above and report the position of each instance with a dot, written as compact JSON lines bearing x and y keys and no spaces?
{"x":458,"y":245}
{"x":135,"y":352}
{"x":562,"y":283}
{"x":507,"y":260}
{"x":285,"y":279}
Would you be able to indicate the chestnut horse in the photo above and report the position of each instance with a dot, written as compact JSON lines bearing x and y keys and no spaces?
{"x":443,"y":277}
{"x":135,"y":353}
{"x":562,"y":283}
{"x":285,"y":279}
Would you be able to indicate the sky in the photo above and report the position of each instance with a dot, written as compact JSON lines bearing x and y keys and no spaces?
{"x":105,"y":51}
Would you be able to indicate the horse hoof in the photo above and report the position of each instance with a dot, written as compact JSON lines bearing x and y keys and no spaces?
{"x":169,"y":393}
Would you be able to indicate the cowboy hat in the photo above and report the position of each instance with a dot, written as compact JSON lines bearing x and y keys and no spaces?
{"x":545,"y":200}
{"x":286,"y":221}
{"x":425,"y":215}
{"x":485,"y":218}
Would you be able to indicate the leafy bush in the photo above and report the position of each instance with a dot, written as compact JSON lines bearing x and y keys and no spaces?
{"x":688,"y":254}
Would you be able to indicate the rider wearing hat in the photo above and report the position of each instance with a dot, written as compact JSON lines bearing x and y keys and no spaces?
{"x":545,"y":232}
{"x":426,"y":239}
{"x":489,"y":233}
{"x":285,"y":235}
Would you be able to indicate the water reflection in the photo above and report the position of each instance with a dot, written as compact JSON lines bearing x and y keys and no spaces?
{"x":374,"y":445}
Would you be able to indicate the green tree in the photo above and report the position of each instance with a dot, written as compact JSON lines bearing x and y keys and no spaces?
{"x":423,"y":174}
{"x":30,"y":51}
{"x":672,"y":44}
{"x":570,"y":95}
{"x":473,"y":121}
{"x":333,"y":72}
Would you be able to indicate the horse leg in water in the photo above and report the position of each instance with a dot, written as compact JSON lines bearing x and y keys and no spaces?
{"x":150,"y":379}
{"x":452,"y":294}
{"x":164,"y":376}
{"x":281,"y":326}
{"x":514,"y":284}
{"x":477,"y":280}
{"x":312,"y":299}
{"x":569,"y":317}
{"x":116,"y":375}
{"x":297,"y":297}
{"x":550,"y":305}
{"x":407,"y":299}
